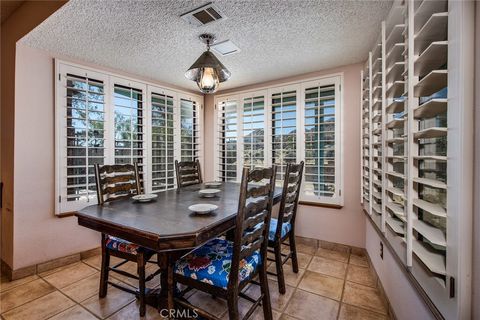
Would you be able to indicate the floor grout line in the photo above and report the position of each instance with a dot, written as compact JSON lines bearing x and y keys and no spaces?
{"x":369,"y":310}
{"x":55,"y":289}
{"x":343,"y":288}
{"x":281,"y":312}
{"x":21,"y":284}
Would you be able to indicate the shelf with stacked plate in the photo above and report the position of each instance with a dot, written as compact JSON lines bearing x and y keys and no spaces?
{"x":376,"y":123}
{"x":365,"y":135}
{"x":419,"y":147}
{"x":396,"y":131}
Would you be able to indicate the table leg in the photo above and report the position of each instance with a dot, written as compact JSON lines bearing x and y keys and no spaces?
{"x":170,"y":284}
{"x":157,"y":298}
{"x":162,"y":298}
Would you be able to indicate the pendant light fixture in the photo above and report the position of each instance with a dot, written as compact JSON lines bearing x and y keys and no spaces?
{"x":208,"y":71}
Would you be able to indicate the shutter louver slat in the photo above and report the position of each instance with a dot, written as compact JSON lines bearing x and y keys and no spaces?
{"x":85,"y":143}
{"x":162,"y":142}
{"x":228,"y":125}
{"x":253,"y":132}
{"x":319,"y":146}
{"x":283,"y":136}
{"x":189,"y":119}
{"x":429,"y":218}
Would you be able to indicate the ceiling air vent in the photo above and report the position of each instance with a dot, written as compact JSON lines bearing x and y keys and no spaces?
{"x":225,"y":48}
{"x":203,"y":15}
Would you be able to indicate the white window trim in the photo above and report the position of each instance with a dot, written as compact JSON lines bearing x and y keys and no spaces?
{"x":299,"y":86}
{"x":61,"y":68}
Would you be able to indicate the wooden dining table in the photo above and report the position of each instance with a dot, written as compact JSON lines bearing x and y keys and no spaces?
{"x":166,"y":225}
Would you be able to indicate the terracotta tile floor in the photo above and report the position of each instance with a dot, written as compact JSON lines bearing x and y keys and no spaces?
{"x":330,"y":285}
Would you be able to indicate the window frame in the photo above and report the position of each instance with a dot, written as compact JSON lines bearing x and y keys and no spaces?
{"x":65,"y":208}
{"x":299,"y":86}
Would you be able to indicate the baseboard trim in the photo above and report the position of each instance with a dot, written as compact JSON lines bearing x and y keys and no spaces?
{"x":47,"y":265}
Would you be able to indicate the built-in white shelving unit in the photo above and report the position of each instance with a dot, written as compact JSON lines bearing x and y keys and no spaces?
{"x":417,"y":107}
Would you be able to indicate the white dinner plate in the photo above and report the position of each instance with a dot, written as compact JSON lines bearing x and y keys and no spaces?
{"x":145,"y":197}
{"x":209,"y":193}
{"x":213,"y":184}
{"x":202,"y":208}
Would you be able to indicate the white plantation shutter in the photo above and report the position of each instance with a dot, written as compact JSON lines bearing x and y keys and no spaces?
{"x":430,"y":125}
{"x":104,"y":119}
{"x":321,"y":147}
{"x":162,"y":132}
{"x":280,"y":125}
{"x":419,"y":119}
{"x":227,"y":139}
{"x":284,"y":106}
{"x":81,"y":135}
{"x":190,"y":129}
{"x":254,"y":131}
{"x":129,"y":125}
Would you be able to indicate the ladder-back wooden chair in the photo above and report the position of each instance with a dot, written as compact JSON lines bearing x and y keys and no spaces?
{"x":223,"y":268}
{"x":115,"y":182}
{"x":285,"y":229}
{"x":188,"y":173}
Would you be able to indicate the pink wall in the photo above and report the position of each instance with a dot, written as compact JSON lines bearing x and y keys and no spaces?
{"x":21,"y":21}
{"x":39,"y":235}
{"x":405,"y":301}
{"x":345,"y":225}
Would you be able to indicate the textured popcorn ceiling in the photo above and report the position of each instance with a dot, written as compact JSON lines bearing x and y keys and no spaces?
{"x":277,"y":38}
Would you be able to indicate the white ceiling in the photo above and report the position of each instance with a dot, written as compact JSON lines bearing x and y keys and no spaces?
{"x":277,"y":38}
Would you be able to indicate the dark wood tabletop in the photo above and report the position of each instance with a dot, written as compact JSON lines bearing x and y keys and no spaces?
{"x":166,"y":224}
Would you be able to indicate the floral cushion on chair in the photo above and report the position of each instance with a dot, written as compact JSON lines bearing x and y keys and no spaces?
{"x":286,"y":227}
{"x":211,"y":263}
{"x":117,"y":244}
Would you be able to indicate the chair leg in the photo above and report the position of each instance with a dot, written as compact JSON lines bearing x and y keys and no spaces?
{"x":232,"y":301}
{"x":170,"y":286}
{"x":267,"y":307}
{"x":279,"y":266}
{"x":104,"y":270}
{"x":293,"y":251}
{"x":141,"y":283}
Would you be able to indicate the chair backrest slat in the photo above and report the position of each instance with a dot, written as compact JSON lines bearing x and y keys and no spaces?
{"x":254,"y":246}
{"x":250,"y":237}
{"x":188,"y":173}
{"x":116,"y":182}
{"x":257,"y":191}
{"x":254,"y":220}
{"x":253,"y":217}
{"x":291,"y":192}
{"x":255,"y":207}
